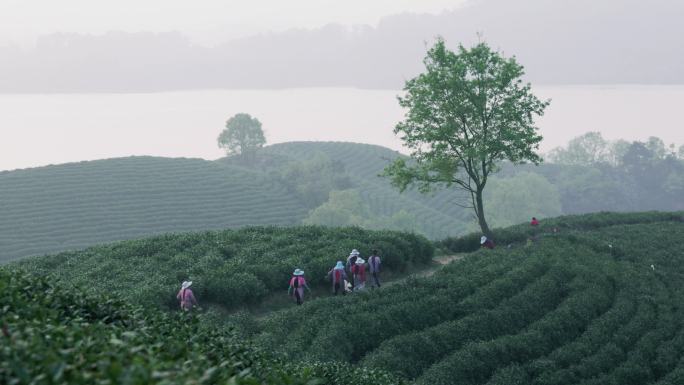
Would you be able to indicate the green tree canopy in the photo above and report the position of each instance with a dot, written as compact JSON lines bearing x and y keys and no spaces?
{"x":583,"y":150}
{"x":466,"y":113}
{"x":242,"y":135}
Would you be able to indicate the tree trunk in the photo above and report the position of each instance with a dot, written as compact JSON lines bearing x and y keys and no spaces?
{"x":479,"y":210}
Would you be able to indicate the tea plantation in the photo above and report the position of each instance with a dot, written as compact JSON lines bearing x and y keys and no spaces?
{"x":71,"y":206}
{"x":229,"y":268}
{"x":57,"y":334}
{"x":592,"y":299}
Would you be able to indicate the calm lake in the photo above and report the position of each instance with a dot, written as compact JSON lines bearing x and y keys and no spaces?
{"x":36,"y":130}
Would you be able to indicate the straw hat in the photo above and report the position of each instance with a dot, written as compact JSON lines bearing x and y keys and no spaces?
{"x":339,"y":265}
{"x":298,"y":272}
{"x":360,"y":261}
{"x":483,"y":240}
{"x":186,"y":284}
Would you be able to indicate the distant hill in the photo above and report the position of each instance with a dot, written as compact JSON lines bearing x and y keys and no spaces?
{"x":71,"y":206}
{"x":583,"y":42}
{"x":436,"y":213}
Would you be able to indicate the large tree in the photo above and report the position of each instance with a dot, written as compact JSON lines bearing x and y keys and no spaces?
{"x":242,"y":135}
{"x":467,"y":112}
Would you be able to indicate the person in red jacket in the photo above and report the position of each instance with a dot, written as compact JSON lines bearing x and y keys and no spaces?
{"x":534,"y":222}
{"x":487,"y":243}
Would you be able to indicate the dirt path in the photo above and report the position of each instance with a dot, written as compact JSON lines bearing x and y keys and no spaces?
{"x":277,"y":301}
{"x":437,"y":263}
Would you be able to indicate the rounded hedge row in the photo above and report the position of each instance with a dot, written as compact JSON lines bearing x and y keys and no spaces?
{"x":230,"y":268}
{"x":52,"y":334}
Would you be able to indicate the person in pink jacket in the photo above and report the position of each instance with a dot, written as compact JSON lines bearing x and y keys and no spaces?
{"x":185,"y":296}
{"x":297,"y":285}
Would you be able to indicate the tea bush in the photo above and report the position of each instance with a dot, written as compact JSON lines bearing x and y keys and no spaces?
{"x":584,"y":222}
{"x":53,"y":334}
{"x":230,"y":268}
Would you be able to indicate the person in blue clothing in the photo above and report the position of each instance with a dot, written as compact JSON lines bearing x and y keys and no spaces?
{"x":338,"y":277}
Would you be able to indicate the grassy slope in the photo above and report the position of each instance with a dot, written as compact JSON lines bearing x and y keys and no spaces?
{"x":580,"y":306}
{"x":71,"y":206}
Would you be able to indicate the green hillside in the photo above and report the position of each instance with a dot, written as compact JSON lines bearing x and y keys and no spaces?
{"x":71,"y":206}
{"x":230,"y":268}
{"x":57,"y":334}
{"x":598,"y":301}
{"x":436,"y":214}
{"x":593,"y":299}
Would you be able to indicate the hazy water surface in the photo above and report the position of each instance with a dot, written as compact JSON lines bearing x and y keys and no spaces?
{"x":37,"y":130}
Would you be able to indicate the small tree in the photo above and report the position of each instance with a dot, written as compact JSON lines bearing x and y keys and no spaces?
{"x":466,"y":113}
{"x":242,"y":136}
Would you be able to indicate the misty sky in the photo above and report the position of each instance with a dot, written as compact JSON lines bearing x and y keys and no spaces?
{"x":206,"y":21}
{"x":90,"y":81}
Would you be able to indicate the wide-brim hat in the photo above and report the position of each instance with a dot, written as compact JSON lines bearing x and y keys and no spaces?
{"x":360,"y":261}
{"x":186,"y":284}
{"x":298,"y":272}
{"x":483,"y":240}
{"x":339,"y":265}
{"x":354,"y":253}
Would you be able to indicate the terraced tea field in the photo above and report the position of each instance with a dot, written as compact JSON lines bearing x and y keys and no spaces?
{"x":76,"y":205}
{"x":72,"y":206}
{"x":598,"y":301}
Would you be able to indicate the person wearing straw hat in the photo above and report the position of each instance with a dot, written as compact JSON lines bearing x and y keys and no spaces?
{"x":338,"y":277}
{"x":351,"y":261}
{"x":359,"y":270}
{"x":186,"y":297}
{"x":297,"y":285}
{"x":486,"y":242}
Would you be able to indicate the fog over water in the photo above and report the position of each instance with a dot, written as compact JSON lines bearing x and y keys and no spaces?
{"x":37,"y":130}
